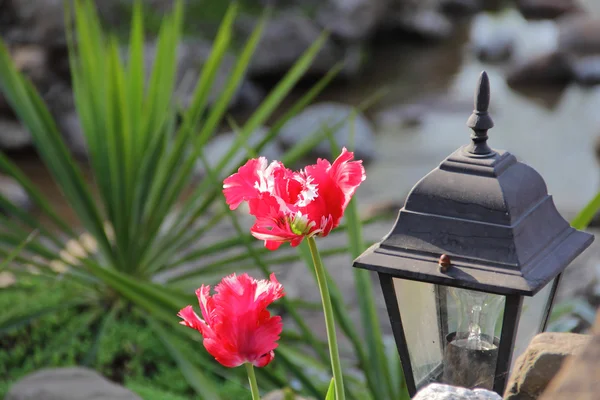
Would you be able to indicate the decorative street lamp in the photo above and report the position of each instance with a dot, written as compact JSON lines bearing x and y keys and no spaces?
{"x":476,"y":235}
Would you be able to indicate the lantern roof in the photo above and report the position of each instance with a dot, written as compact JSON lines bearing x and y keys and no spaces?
{"x":489,"y":216}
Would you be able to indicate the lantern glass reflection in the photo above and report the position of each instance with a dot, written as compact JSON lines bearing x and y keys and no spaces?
{"x":471,"y":348}
{"x":533,"y":316}
{"x":452,"y":334}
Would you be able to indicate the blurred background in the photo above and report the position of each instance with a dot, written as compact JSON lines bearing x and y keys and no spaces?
{"x":411,"y":66}
{"x":420,"y":59}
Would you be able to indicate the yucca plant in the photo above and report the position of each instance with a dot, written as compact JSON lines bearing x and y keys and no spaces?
{"x":143,"y":216}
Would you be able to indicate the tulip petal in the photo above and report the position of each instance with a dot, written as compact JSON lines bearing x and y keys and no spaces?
{"x":237,"y":326}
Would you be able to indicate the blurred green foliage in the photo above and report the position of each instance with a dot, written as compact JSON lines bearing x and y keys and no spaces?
{"x":129,"y":352}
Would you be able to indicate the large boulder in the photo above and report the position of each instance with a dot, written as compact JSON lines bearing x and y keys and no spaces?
{"x":579,"y":376}
{"x":191,"y":57}
{"x":579,"y":40}
{"x":422,"y":18}
{"x":546,"y":69}
{"x":68,"y":384}
{"x":354,"y":132}
{"x":579,"y":35}
{"x":287,"y":35}
{"x":492,"y":37}
{"x":359,"y":19}
{"x":353,"y":20}
{"x":547,"y":9}
{"x":536,"y":367}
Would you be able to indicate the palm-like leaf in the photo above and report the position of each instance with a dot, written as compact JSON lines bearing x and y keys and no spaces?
{"x":139,"y":227}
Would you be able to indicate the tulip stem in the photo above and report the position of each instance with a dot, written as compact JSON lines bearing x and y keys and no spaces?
{"x":334,"y":352}
{"x":252,"y":380}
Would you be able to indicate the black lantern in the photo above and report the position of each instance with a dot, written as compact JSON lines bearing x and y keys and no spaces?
{"x":471,"y":266}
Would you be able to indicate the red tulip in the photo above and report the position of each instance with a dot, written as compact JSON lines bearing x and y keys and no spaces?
{"x":236,"y":326}
{"x":290,"y":206}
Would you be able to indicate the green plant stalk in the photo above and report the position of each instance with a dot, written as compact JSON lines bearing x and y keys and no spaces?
{"x":252,"y":380}
{"x":334,"y":352}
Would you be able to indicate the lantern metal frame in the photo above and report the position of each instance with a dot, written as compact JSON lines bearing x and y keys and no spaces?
{"x":492,"y":219}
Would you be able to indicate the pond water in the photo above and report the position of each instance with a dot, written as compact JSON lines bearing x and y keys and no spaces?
{"x":553,"y":130}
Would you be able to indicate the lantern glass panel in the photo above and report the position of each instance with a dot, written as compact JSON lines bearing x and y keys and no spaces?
{"x":419,"y":312}
{"x":533,"y":315}
{"x":452,"y":334}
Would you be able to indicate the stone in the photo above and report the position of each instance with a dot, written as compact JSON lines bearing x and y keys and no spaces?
{"x":15,"y":193}
{"x":460,"y":7}
{"x":540,"y":362}
{"x":74,"y":383}
{"x":32,"y":60}
{"x":59,"y":99}
{"x":547,"y":9}
{"x":216,"y":149}
{"x":322,"y":116}
{"x":418,"y":18}
{"x":191,"y":56}
{"x":352,"y":20}
{"x":579,"y":36}
{"x":70,"y":127}
{"x":492,"y":39}
{"x":414,"y":114}
{"x":586,"y":70}
{"x":285,"y":38}
{"x":437,"y":391}
{"x":579,"y":377}
{"x":551,"y":68}
{"x":13,"y":135}
{"x":34,"y":21}
{"x":7,"y":279}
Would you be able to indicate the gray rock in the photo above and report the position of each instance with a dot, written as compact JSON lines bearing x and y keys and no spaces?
{"x":460,"y":7}
{"x":13,"y":135}
{"x":536,"y":367}
{"x":418,"y":17}
{"x":352,"y":20}
{"x":437,"y":391}
{"x":586,"y":70}
{"x":68,"y":384}
{"x":34,"y":21}
{"x":552,"y":68}
{"x":216,"y":149}
{"x":191,"y":56}
{"x":547,"y":9}
{"x":579,"y":36}
{"x":414,"y":114}
{"x":70,"y":127}
{"x":15,"y":193}
{"x":579,"y":377}
{"x":491,"y":39}
{"x":32,"y":60}
{"x":286,"y":37}
{"x":323,"y":116}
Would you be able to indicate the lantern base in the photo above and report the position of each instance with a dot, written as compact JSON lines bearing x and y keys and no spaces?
{"x":470,"y":368}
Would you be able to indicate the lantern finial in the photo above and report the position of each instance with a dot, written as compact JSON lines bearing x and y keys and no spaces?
{"x":480,"y":121}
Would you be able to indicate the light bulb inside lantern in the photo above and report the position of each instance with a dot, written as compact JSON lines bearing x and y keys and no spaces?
{"x":472,"y":350}
{"x":478,"y":313}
